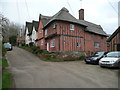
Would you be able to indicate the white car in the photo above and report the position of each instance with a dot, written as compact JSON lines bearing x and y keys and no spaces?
{"x":111,"y":59}
{"x":8,"y":46}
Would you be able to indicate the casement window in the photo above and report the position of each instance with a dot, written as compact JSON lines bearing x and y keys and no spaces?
{"x":96,"y":44}
{"x":41,"y":30}
{"x":42,"y":42}
{"x":52,"y":43}
{"x":46,"y":31}
{"x":72,"y":26}
{"x":78,"y":44}
{"x":54,"y":26}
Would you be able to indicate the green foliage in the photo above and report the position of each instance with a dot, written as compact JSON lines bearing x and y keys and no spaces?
{"x":4,"y":51}
{"x":4,"y":63}
{"x":6,"y":79}
{"x":82,"y":57}
{"x":13,"y":40}
{"x":0,"y":62}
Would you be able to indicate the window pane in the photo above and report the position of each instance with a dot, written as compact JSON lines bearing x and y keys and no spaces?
{"x":71,"y":27}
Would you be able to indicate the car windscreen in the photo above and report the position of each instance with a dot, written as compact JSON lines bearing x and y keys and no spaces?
{"x":113,"y":54}
{"x":99,"y":53}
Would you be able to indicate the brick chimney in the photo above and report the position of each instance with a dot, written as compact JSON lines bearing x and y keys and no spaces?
{"x":81,"y":14}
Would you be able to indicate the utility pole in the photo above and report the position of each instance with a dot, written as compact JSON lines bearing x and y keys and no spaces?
{"x":118,"y":13}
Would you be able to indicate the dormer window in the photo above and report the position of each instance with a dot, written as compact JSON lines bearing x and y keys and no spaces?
{"x":71,"y":26}
{"x":54,"y":26}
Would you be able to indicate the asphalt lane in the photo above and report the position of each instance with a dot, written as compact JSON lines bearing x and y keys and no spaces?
{"x":31,"y":72}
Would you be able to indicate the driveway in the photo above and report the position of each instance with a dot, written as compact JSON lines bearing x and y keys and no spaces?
{"x":31,"y":72}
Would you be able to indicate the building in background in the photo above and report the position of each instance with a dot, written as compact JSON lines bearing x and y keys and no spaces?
{"x":114,"y":40}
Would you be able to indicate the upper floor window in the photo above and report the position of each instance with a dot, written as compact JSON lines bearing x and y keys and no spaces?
{"x":46,"y":31}
{"x":72,"y":26}
{"x":78,"y":44}
{"x":96,"y":44}
{"x":52,"y":43}
{"x":54,"y":26}
{"x":40,"y":30}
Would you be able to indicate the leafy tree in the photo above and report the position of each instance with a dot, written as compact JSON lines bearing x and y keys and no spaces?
{"x":13,"y":40}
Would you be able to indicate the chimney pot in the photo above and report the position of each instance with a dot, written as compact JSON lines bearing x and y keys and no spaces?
{"x":81,"y":14}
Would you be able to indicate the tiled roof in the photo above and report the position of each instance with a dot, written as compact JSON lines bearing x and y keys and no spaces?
{"x":64,"y":15}
{"x":35,"y":24}
{"x":45,"y":19}
{"x":94,"y":28}
{"x":29,"y":26}
{"x":114,"y":34}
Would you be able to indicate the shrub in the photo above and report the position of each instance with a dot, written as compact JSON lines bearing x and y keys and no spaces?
{"x":13,"y":40}
{"x":81,"y":57}
{"x":4,"y":51}
{"x":31,"y":44}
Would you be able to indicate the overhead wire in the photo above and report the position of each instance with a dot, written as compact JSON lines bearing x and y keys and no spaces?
{"x":27,"y":9}
{"x":112,"y":6}
{"x":70,"y":7}
{"x":18,"y":10}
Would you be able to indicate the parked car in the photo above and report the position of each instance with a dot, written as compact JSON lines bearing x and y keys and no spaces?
{"x":8,"y":46}
{"x":112,"y":59}
{"x":95,"y":58}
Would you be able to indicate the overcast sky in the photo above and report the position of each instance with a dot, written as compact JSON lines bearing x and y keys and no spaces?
{"x":101,"y":12}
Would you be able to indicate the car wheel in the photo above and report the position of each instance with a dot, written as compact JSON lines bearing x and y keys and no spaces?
{"x":87,"y":62}
{"x":118,"y":64}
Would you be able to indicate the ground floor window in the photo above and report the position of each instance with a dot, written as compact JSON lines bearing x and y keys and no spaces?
{"x":96,"y":44}
{"x":52,"y":43}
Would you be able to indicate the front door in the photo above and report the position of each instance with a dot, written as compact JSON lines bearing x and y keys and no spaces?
{"x":47,"y":46}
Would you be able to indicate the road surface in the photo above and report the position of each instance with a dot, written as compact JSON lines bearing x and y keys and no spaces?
{"x":31,"y":72}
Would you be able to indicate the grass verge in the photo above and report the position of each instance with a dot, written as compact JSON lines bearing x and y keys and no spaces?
{"x":4,"y":63}
{"x":6,"y":79}
{"x":6,"y":75}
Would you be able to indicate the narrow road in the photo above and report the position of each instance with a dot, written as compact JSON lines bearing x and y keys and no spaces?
{"x":31,"y":72}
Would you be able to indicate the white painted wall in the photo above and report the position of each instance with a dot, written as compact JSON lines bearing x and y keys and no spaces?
{"x":34,"y":35}
{"x":27,"y":38}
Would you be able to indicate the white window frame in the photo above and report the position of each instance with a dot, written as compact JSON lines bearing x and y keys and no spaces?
{"x":46,"y":31}
{"x":54,"y":26}
{"x":42,"y":42}
{"x":52,"y":43}
{"x":96,"y":44}
{"x":72,"y":26}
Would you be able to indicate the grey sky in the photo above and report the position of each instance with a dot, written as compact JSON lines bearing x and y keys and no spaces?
{"x":96,"y":11}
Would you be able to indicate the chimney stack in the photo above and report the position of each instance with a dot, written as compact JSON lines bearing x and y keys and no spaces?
{"x":81,"y":14}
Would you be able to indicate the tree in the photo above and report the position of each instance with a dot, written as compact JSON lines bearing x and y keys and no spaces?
{"x":13,"y":40}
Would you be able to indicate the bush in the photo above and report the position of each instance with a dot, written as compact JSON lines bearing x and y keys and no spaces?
{"x":31,"y":44}
{"x":13,"y":40}
{"x":81,"y":57}
{"x":4,"y":51}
